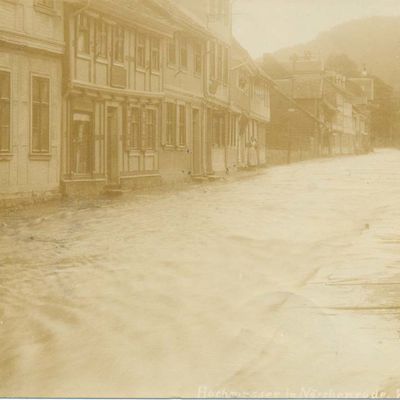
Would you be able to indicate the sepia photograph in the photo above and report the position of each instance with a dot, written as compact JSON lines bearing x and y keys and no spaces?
{"x":199,"y":199}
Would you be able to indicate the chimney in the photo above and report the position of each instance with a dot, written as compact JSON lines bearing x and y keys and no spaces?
{"x":364,"y":71}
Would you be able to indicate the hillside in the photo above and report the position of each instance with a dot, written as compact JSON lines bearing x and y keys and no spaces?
{"x":373,"y":41}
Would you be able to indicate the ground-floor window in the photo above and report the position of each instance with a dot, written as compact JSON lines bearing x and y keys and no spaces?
{"x":171,"y":124}
{"x":182,"y":125}
{"x":5,"y":116}
{"x":135,"y":128}
{"x":233,"y":131}
{"x":81,"y":144}
{"x":218,"y":129}
{"x":150,"y":132}
{"x":40,"y":115}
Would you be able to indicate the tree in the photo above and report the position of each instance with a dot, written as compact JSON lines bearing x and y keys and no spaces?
{"x":342,"y":64}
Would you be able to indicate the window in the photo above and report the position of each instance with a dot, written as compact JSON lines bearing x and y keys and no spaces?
{"x":101,"y":39}
{"x":155,"y":54}
{"x":171,"y":124}
{"x":5,"y":116}
{"x":149,"y":140}
{"x":226,"y":66}
{"x":183,"y":57}
{"x":219,"y":63}
{"x":83,"y":34}
{"x":118,"y":44}
{"x":212,"y":60}
{"x":242,"y":80}
{"x":182,"y":125}
{"x":141,"y":51}
{"x":197,"y":59}
{"x":135,"y":128}
{"x":232,"y":140}
{"x":171,"y":52}
{"x":218,"y":130}
{"x":40,"y":115}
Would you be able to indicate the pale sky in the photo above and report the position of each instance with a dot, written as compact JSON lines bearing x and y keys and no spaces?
{"x":268,"y":25}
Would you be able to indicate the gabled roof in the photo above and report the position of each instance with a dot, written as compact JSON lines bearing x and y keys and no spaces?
{"x":367,"y":86}
{"x":143,"y":13}
{"x":241,"y":57}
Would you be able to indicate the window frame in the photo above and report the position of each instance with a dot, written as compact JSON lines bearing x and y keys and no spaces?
{"x":155,"y":50}
{"x":171,"y":124}
{"x":9,"y":102}
{"x":140,"y":41}
{"x":225,"y":67}
{"x":102,"y":36}
{"x":118,"y":45}
{"x":145,"y":136}
{"x":220,"y":62}
{"x":172,"y":45}
{"x":182,"y":125}
{"x":213,"y":60}
{"x":41,"y":152}
{"x":81,"y":28}
{"x":132,"y":145}
{"x":197,"y":59}
{"x":183,"y":47}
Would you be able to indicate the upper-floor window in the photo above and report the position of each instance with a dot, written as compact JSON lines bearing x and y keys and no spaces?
{"x":182,"y":125}
{"x":155,"y":54}
{"x":243,"y":80}
{"x":83,"y":34}
{"x":119,"y":44}
{"x":5,"y":115}
{"x":141,"y":50}
{"x":226,"y":66}
{"x":220,"y":62}
{"x":101,"y":39}
{"x":183,"y":53}
{"x":171,"y":124}
{"x":212,"y":60}
{"x":172,"y":51}
{"x":197,"y":58}
{"x":40,"y":115}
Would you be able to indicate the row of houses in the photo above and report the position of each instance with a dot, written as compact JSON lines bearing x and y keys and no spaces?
{"x":109,"y":94}
{"x":315,"y":111}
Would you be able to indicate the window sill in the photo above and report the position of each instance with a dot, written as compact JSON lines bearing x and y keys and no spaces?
{"x":39,"y":156}
{"x":84,"y":56}
{"x":172,"y":147}
{"x":6,"y":156}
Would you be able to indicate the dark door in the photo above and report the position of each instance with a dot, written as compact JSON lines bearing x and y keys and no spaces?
{"x":112,"y":146}
{"x":81,"y":144}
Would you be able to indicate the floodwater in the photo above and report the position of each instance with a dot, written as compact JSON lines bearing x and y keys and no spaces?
{"x":283,"y":284}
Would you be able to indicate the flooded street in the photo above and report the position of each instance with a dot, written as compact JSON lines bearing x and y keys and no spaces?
{"x":288,"y":280}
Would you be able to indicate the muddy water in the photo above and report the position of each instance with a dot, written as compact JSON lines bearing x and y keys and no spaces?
{"x":231,"y":285}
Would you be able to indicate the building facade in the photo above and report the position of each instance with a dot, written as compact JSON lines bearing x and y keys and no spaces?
{"x":31,"y":50}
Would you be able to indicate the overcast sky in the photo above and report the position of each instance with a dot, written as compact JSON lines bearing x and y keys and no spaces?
{"x":268,"y":25}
